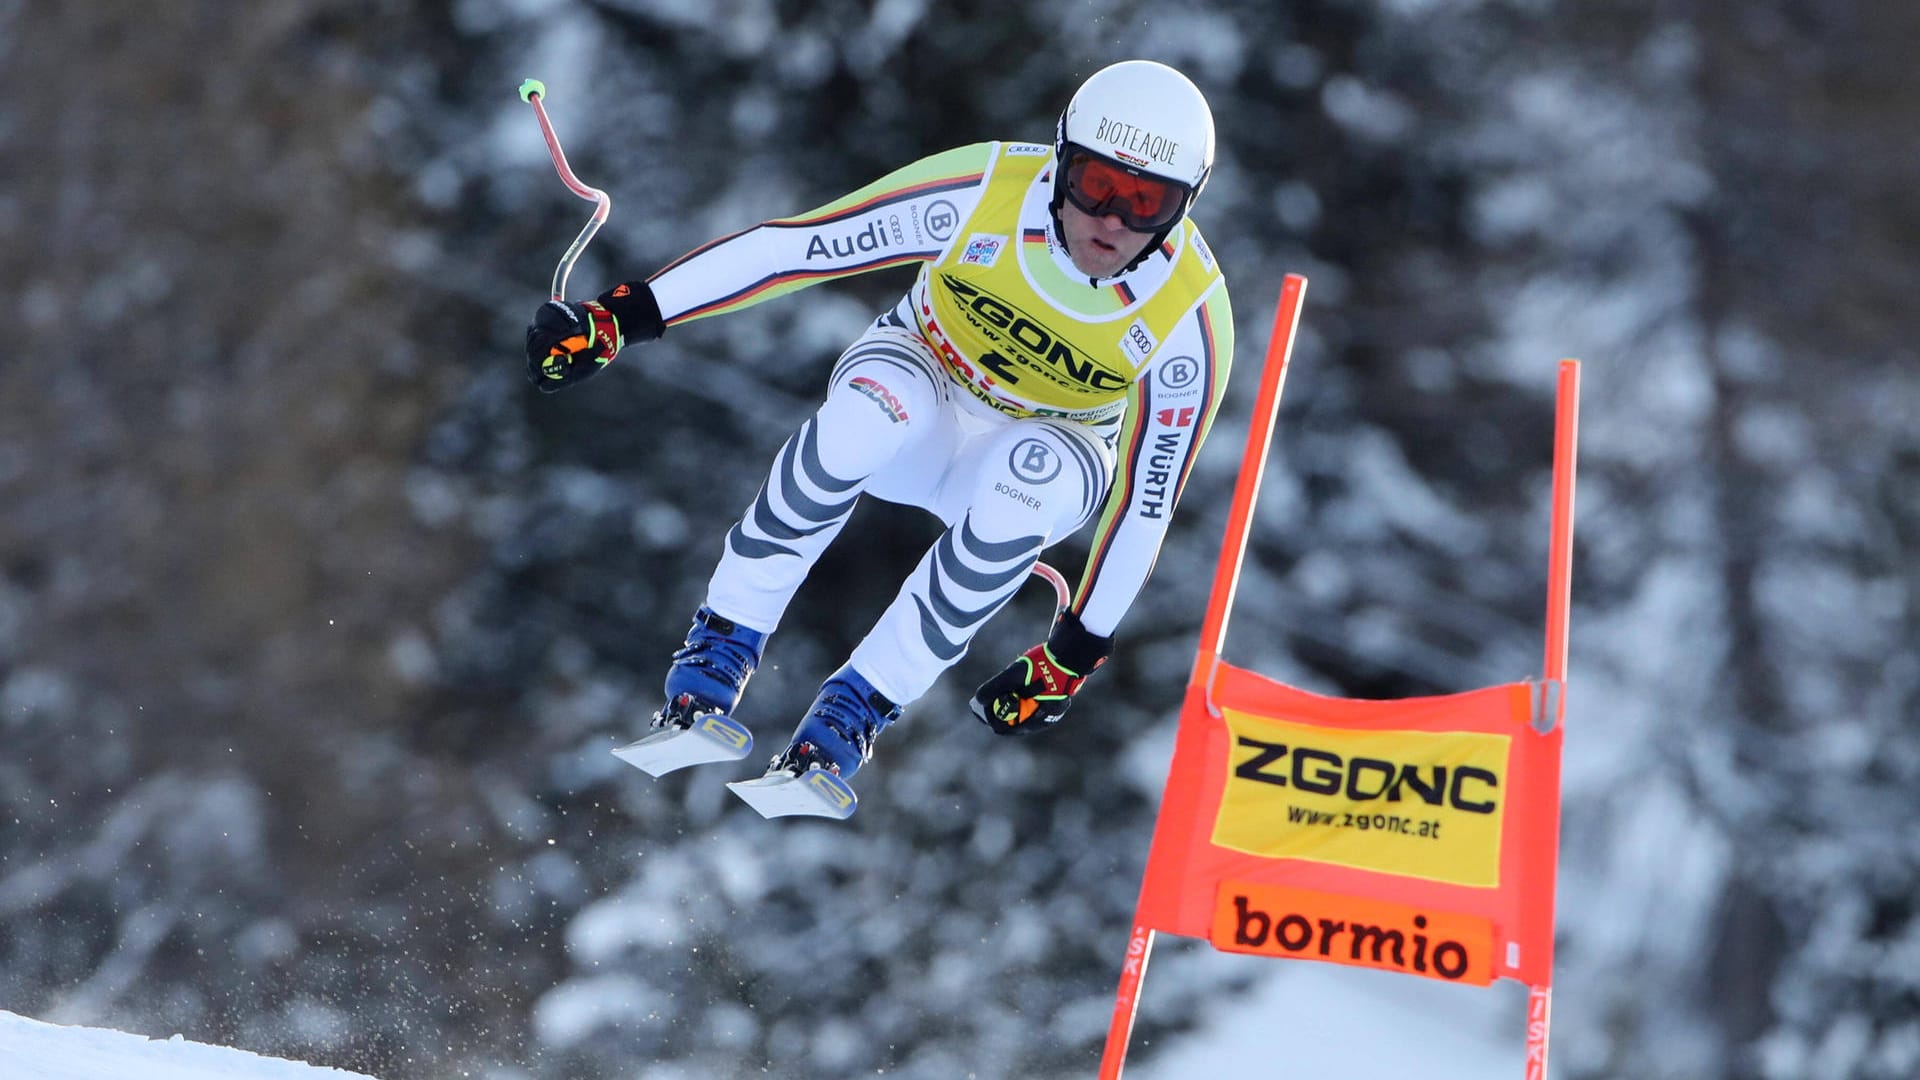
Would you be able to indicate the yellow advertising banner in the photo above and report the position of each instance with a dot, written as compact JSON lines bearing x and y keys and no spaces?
{"x":1421,"y":804}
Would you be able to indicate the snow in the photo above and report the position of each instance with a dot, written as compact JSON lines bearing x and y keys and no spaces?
{"x":1314,"y":1020}
{"x":1309,"y":1017}
{"x":32,"y":1050}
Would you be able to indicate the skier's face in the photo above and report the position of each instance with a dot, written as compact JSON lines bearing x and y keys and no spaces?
{"x":1099,"y":246}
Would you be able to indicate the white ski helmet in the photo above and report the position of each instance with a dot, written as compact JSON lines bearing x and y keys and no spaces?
{"x":1146,"y":118}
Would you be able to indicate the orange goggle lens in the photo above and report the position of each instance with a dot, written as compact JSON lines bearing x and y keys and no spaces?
{"x":1144,"y":203}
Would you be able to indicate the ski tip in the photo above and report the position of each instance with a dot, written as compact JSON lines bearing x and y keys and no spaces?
{"x":714,"y":737}
{"x":814,"y":793}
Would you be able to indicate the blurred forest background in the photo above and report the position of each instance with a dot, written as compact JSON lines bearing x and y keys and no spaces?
{"x":316,"y":622}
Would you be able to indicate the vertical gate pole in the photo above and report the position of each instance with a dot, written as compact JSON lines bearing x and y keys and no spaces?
{"x":1213,"y":631}
{"x":1566,"y":438}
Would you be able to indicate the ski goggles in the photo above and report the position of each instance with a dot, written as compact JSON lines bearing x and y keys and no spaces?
{"x":1099,"y":187}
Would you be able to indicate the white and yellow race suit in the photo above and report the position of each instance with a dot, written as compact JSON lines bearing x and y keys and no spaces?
{"x":1006,"y":392}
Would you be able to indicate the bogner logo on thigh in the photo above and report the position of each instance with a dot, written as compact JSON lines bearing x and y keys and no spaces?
{"x":1001,"y":487}
{"x":1034,"y":461}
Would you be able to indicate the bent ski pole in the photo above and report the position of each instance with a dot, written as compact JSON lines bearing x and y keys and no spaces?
{"x":1062,"y":596}
{"x":531,"y":92}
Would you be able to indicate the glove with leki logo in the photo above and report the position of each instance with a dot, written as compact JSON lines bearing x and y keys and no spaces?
{"x":571,"y":340}
{"x":1033,"y":693}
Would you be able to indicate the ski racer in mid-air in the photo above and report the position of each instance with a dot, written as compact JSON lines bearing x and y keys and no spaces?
{"x":1056,"y":364}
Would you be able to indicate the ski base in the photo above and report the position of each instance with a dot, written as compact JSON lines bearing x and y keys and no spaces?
{"x":713,"y":737}
{"x":814,"y":793}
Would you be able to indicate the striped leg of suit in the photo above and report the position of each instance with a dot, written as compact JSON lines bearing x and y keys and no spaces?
{"x":1038,"y":481}
{"x":880,"y":397}
{"x":960,"y":583}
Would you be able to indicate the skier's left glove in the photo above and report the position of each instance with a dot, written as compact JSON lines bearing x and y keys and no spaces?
{"x":1033,"y":693}
{"x":568,"y":341}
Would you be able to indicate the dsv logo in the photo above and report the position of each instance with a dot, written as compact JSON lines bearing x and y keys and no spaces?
{"x":1362,"y":779}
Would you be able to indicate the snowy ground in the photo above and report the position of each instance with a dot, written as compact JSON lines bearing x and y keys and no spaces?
{"x":1301,"y":1020}
{"x":31,"y":1050}
{"x":1309,"y":1021}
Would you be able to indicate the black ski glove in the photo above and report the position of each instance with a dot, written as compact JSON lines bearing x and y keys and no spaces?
{"x":571,"y":340}
{"x":1033,"y":693}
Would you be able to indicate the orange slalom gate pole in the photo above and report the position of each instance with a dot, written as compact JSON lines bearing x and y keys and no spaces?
{"x":1253,"y":466}
{"x":1213,"y":631}
{"x":1126,"y":1002}
{"x":1566,"y":439}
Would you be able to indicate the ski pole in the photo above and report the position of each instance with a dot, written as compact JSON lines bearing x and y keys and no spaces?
{"x":531,"y":92}
{"x":1062,"y":595}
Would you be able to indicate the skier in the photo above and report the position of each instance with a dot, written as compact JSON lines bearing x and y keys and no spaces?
{"x":1057,"y":361}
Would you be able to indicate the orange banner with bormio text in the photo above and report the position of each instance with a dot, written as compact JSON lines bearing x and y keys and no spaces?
{"x":1415,"y":835}
{"x":1273,"y":920}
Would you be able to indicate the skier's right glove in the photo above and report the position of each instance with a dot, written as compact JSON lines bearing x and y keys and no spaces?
{"x":1033,"y":693}
{"x":568,"y":341}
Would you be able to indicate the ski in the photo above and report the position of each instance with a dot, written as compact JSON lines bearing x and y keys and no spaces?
{"x":712,"y":737}
{"x":814,"y":793}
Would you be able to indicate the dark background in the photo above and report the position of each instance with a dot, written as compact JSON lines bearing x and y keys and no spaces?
{"x":316,"y":622}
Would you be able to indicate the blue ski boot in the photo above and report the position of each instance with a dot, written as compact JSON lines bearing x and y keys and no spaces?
{"x":696,"y":725}
{"x":710,"y":670}
{"x":833,"y":741}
